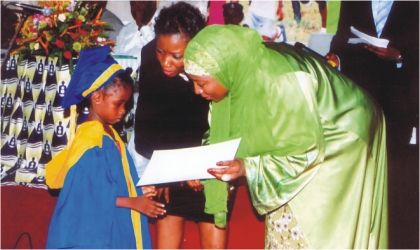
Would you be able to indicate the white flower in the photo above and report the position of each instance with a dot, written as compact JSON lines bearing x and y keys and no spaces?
{"x":100,"y":39}
{"x":285,"y":225}
{"x":278,"y":225}
{"x":62,"y":17}
{"x":288,"y":217}
{"x":281,"y":225}
{"x":296,"y":233}
{"x":71,"y":6}
{"x":36,"y":46}
{"x":283,"y":216}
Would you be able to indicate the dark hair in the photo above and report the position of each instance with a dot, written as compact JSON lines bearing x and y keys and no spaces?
{"x":122,"y":80}
{"x":178,"y":18}
{"x":146,"y":10}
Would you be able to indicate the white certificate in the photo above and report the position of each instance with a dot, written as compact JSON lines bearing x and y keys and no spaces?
{"x":187,"y":163}
{"x":364,"y":38}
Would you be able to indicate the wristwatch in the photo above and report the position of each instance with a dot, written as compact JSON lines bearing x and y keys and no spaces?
{"x":399,"y":61}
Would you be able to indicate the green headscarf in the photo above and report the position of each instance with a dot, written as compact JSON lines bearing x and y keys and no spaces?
{"x":237,"y":59}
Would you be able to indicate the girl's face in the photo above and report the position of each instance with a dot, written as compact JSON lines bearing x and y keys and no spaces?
{"x":208,"y":87}
{"x":170,"y":53}
{"x":108,"y":105}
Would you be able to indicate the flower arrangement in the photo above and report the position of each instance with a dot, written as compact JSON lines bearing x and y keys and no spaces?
{"x":71,"y":27}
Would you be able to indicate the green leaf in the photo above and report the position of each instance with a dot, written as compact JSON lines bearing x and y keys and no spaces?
{"x":107,"y":26}
{"x":63,"y":27}
{"x":104,"y":34}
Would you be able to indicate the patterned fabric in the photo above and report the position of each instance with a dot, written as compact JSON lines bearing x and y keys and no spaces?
{"x":192,"y":68}
{"x":34,"y":126}
{"x":299,"y":29}
{"x":283,"y":231}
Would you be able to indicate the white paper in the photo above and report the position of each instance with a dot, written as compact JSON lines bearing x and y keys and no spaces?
{"x":364,"y":38}
{"x":188,"y":163}
{"x":357,"y":40}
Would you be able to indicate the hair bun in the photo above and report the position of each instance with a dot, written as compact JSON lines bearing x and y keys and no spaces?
{"x":128,"y":71}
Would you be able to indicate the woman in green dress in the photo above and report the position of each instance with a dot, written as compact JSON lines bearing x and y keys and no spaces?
{"x":313,"y":142}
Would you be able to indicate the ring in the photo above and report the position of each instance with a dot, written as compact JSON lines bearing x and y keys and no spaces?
{"x":226,"y":177}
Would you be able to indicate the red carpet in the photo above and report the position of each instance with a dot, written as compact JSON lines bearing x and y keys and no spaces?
{"x":26,"y":212}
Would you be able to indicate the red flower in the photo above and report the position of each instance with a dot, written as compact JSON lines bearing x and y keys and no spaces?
{"x":67,"y":54}
{"x":97,"y":32}
{"x":73,"y":35}
{"x":83,"y":32}
{"x":32,"y":29}
{"x":59,"y":43}
{"x":17,"y":40}
{"x":78,"y":21}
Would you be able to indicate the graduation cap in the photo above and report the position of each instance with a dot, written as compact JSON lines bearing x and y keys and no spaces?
{"x":95,"y":68}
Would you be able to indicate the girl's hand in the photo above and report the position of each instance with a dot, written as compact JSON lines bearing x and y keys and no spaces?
{"x":233,"y":170}
{"x":145,"y":205}
{"x":196,"y":185}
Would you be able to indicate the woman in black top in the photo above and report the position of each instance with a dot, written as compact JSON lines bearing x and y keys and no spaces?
{"x":169,"y":115}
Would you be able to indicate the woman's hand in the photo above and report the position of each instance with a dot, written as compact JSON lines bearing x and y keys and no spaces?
{"x":332,"y":60}
{"x":196,"y":185}
{"x":233,"y":170}
{"x":151,"y":190}
{"x":165,"y":192}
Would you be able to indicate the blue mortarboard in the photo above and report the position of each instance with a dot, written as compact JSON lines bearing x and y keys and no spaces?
{"x":95,"y":68}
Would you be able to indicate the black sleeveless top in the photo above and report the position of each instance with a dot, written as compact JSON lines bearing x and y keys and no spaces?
{"x":169,"y":114}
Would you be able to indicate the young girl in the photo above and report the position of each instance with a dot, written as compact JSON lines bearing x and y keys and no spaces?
{"x":99,"y":205}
